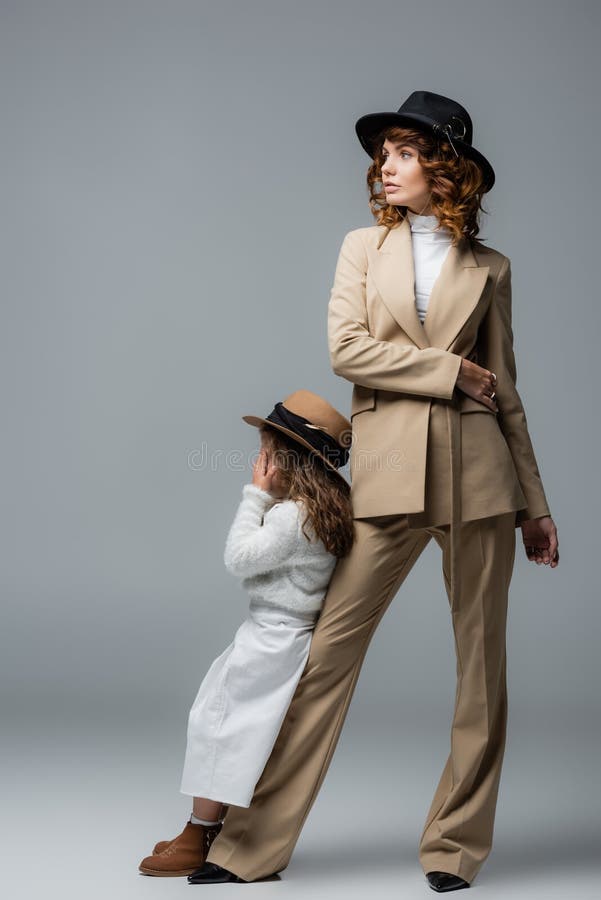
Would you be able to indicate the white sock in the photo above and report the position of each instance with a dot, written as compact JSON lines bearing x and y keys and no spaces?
{"x":196,"y":821}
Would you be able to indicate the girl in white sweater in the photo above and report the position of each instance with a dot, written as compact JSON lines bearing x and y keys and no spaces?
{"x":293,"y":522}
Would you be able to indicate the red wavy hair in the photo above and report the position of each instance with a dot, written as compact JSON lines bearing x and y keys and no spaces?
{"x":455,"y":183}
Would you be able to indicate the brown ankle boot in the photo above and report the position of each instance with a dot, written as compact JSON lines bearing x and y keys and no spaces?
{"x":162,"y":845}
{"x":184,"y":854}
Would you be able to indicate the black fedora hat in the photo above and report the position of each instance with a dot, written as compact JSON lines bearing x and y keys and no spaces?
{"x":446,"y":118}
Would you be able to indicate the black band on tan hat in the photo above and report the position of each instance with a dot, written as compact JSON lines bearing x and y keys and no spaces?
{"x":319,"y":439}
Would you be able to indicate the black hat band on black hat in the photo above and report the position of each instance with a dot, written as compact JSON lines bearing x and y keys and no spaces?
{"x":446,"y":130}
{"x":321,"y":441}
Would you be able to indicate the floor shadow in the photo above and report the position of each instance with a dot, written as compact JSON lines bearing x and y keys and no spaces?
{"x":508,"y":861}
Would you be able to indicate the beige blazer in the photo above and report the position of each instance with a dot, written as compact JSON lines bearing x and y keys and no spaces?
{"x":419,"y":445}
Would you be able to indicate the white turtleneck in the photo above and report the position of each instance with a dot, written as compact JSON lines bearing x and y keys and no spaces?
{"x":430,"y":248}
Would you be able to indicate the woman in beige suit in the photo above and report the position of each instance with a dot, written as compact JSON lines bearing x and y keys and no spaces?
{"x":419,"y":322}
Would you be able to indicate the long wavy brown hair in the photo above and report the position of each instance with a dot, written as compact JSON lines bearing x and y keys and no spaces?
{"x":326,"y":496}
{"x":455,"y":183}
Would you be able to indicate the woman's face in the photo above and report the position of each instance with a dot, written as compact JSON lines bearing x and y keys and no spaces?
{"x":403,"y":178}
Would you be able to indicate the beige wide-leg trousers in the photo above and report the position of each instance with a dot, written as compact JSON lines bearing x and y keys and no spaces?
{"x":257,"y":841}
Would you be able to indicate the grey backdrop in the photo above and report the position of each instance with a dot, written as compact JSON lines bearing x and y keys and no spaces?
{"x":177,"y":180}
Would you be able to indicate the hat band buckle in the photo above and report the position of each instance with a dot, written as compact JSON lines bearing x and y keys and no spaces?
{"x":449,"y":132}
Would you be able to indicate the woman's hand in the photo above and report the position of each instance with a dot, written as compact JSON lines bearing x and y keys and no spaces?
{"x":265,"y":473}
{"x":477,"y":382}
{"x":540,"y":540}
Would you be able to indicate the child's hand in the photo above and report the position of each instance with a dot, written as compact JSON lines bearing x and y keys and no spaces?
{"x":264,"y":472}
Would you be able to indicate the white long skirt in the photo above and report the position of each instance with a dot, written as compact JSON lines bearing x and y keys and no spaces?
{"x":241,"y":704}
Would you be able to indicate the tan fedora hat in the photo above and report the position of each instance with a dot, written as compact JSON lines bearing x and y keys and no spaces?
{"x":313,"y":422}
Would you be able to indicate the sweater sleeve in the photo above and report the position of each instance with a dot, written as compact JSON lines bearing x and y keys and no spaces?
{"x":253,"y":548}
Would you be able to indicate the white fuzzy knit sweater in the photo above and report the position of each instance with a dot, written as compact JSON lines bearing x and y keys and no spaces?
{"x":278,"y":565}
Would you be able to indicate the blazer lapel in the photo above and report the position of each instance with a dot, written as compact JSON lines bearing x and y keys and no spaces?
{"x":454,"y":295}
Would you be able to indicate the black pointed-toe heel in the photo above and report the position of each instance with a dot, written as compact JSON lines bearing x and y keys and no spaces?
{"x":445,"y":881}
{"x":211,"y":873}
